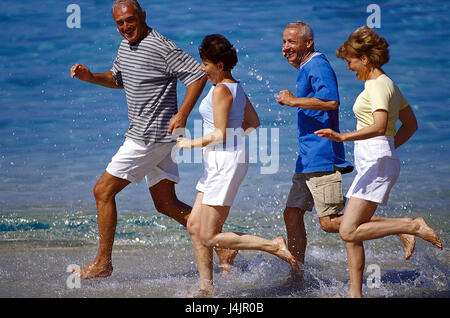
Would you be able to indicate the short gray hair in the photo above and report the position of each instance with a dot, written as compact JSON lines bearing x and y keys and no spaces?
{"x":305,"y":30}
{"x":125,"y":3}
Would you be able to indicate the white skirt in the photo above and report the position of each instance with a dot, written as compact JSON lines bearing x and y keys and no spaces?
{"x":224,"y":170}
{"x":377,"y":169}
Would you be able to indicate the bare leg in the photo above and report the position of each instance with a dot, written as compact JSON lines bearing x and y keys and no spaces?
{"x":356,"y":213}
{"x":205,"y":225}
{"x":203,"y":255}
{"x":105,"y":191}
{"x":296,"y":233}
{"x":212,"y":219}
{"x":297,"y":240}
{"x":356,"y":263}
{"x":356,"y":227}
{"x":166,"y":202}
{"x":226,"y":258}
{"x":332,"y":223}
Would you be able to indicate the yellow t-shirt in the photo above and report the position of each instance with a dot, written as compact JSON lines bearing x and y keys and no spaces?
{"x":379,"y":94}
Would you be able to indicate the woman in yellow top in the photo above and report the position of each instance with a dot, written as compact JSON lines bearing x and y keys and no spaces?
{"x":377,"y":109}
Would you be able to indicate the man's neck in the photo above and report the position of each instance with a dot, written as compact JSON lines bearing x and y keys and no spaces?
{"x":144,"y":34}
{"x":306,"y":57}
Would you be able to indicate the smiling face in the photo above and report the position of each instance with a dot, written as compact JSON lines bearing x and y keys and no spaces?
{"x":212,"y":70}
{"x":358,"y":65}
{"x":130,"y":23}
{"x":296,"y":47}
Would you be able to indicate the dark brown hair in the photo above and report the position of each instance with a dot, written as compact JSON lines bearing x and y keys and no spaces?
{"x":216,"y":48}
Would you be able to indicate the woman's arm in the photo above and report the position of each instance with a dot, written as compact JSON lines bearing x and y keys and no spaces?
{"x":251,"y":119}
{"x":378,"y":128}
{"x":408,"y":128}
{"x":221,"y":100}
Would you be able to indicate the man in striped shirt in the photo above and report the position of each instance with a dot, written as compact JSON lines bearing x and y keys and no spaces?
{"x":148,"y":66}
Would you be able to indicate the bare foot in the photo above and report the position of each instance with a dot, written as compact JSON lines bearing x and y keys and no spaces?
{"x":284,"y":253}
{"x":94,"y":270}
{"x":427,"y":233}
{"x":226,"y":259}
{"x":202,"y":293}
{"x":409,"y":242}
{"x":295,"y":280}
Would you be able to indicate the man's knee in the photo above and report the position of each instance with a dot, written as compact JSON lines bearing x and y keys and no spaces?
{"x":163,"y":205}
{"x":325,"y":224}
{"x":102,"y":191}
{"x":108,"y":186}
{"x":329,"y":224}
{"x":164,"y":196}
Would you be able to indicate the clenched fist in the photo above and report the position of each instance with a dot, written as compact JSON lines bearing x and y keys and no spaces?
{"x":81,"y":72}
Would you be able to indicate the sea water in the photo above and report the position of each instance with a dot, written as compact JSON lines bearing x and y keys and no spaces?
{"x":57,"y":135}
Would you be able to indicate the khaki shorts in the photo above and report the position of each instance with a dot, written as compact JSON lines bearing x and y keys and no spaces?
{"x":320,"y":189}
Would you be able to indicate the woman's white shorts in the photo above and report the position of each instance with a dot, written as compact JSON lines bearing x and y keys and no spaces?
{"x":224,"y":170}
{"x":377,"y":169}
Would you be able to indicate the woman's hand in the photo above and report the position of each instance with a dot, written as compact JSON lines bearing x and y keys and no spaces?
{"x":184,"y":143}
{"x":330,"y":134}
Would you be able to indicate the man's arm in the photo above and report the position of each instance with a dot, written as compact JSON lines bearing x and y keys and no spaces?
{"x":104,"y":79}
{"x":222,"y":100}
{"x":285,"y":97}
{"x":193,"y":92}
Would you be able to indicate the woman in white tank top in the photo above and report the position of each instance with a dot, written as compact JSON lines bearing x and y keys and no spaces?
{"x":227,"y":113}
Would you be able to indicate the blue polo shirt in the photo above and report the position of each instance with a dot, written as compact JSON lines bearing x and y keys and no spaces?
{"x":317,"y":79}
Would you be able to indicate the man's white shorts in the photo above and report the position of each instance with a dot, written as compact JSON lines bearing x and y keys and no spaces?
{"x":135,"y":160}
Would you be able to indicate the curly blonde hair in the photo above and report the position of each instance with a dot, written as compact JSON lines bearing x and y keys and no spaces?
{"x":365,"y":41}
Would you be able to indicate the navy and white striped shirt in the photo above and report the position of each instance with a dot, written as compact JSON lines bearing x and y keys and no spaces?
{"x":148,"y":71}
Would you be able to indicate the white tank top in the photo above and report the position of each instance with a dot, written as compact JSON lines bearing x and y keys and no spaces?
{"x":236,"y":112}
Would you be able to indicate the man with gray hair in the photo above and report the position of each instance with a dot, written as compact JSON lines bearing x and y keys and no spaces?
{"x":148,"y":66}
{"x":317,"y":180}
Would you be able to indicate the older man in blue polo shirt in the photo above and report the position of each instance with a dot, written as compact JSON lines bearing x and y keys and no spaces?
{"x":317,"y":180}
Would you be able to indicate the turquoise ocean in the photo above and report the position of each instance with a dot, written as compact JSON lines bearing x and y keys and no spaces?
{"x":57,"y":135}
